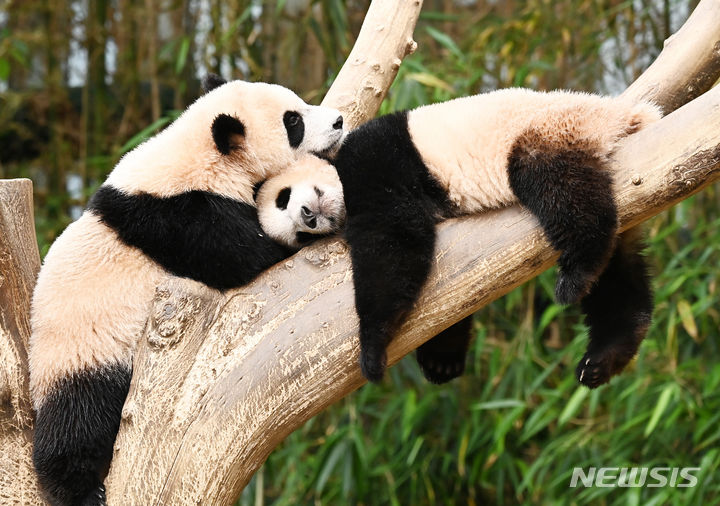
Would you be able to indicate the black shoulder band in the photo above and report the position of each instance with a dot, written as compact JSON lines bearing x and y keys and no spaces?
{"x":197,"y":234}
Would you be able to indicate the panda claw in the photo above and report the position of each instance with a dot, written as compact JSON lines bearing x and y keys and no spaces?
{"x":593,"y":370}
{"x":96,"y":498}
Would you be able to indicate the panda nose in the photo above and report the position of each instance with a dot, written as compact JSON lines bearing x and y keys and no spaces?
{"x":308,"y":217}
{"x":338,"y":123}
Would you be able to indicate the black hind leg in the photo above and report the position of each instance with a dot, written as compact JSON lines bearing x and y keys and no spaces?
{"x":442,"y":358}
{"x":570,"y":193}
{"x":392,"y":250}
{"x":75,"y":430}
{"x":618,"y":310}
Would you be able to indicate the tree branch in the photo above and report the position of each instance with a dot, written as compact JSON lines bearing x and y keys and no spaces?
{"x":385,"y":38}
{"x":202,"y":400}
{"x":19,"y":264}
{"x":220,"y":379}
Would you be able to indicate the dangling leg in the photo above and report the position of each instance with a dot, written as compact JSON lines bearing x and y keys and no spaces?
{"x":570,"y":193}
{"x":618,"y":311}
{"x":442,"y":358}
{"x":75,"y":430}
{"x":391,"y":249}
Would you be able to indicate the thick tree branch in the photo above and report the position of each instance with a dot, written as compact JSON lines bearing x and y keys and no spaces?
{"x":219,"y":379}
{"x":384,"y":40}
{"x":201,"y":451}
{"x":19,"y":264}
{"x":688,"y":65}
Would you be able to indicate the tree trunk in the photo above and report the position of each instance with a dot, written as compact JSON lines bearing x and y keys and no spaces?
{"x":220,"y":379}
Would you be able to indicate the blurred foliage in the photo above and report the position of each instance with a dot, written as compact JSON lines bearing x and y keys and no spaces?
{"x":84,"y":81}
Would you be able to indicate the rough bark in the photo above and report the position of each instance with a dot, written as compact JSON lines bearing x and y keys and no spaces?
{"x":384,"y":40}
{"x":220,"y":379}
{"x":19,"y":264}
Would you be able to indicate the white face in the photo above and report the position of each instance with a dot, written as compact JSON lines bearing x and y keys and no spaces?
{"x":234,"y":136}
{"x":302,"y":205}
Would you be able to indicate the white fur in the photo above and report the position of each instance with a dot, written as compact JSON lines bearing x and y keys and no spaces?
{"x":309,"y":173}
{"x":183,"y":156}
{"x":466,"y":142}
{"x":93,"y":293}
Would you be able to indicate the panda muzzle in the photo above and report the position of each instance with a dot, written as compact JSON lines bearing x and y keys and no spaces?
{"x":308,"y":217}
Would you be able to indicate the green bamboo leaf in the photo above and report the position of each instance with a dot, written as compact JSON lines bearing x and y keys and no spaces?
{"x":4,"y":69}
{"x":660,"y":407}
{"x":330,"y":464}
{"x":498,"y":404}
{"x":573,"y":404}
{"x":144,"y":134}
{"x":182,"y":55}
{"x":687,"y":319}
{"x":446,"y":41}
{"x":429,"y":80}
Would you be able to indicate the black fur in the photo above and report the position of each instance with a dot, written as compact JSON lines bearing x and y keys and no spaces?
{"x":282,"y":199}
{"x":225,"y":128}
{"x":198,"y":235}
{"x":442,"y":358}
{"x":72,"y":454}
{"x":571,"y":195}
{"x":618,"y":311}
{"x":295,"y":127}
{"x":212,"y":81}
{"x":392,"y":204}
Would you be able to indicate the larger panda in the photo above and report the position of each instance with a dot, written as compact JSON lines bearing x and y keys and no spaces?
{"x":403,"y":172}
{"x":180,"y":203}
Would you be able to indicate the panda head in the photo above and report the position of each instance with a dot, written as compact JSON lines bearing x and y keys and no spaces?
{"x":302,"y":204}
{"x":232,"y":137}
{"x":269,"y":116}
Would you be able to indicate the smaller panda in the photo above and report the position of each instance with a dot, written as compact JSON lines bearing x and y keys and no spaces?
{"x":302,"y":204}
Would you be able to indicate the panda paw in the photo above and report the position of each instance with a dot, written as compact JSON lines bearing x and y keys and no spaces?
{"x":594,"y":370}
{"x":573,"y":286}
{"x":373,"y":364}
{"x":441,"y":367}
{"x":96,"y":497}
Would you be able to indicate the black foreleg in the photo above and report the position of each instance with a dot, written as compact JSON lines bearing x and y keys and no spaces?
{"x":570,"y":193}
{"x":391,"y":247}
{"x":75,"y":430}
{"x":618,"y":311}
{"x":442,"y":358}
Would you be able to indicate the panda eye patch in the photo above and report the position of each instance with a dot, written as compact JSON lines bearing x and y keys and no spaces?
{"x":283,"y":198}
{"x":295,"y":128}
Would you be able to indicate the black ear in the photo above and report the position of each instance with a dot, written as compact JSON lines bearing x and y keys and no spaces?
{"x":212,"y":81}
{"x":224,"y":127}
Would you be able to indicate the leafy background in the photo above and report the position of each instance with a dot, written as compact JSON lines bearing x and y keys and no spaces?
{"x":83,"y":81}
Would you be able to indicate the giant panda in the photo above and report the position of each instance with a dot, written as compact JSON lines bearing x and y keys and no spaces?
{"x":305,"y":203}
{"x":180,"y":204}
{"x":403,"y":172}
{"x":302,"y":204}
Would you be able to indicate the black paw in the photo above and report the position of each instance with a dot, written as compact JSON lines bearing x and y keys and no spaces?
{"x":96,"y":497}
{"x":373,"y":364}
{"x":594,"y":370}
{"x":572,"y":287}
{"x":441,"y":367}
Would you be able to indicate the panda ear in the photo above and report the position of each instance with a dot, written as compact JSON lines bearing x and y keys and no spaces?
{"x":225,"y":130}
{"x":212,"y":81}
